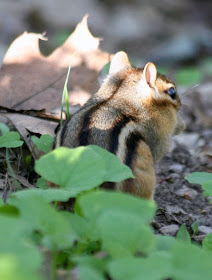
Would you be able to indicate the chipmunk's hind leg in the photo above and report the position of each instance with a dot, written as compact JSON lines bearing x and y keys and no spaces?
{"x":143,"y":169}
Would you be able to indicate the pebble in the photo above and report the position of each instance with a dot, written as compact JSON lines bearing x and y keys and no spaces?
{"x":186,"y":192}
{"x":178,"y":168}
{"x":187,"y":139}
{"x":169,"y":230}
{"x":174,"y":209}
{"x":205,"y":230}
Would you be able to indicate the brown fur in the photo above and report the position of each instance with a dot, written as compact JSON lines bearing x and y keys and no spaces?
{"x":132,"y":116}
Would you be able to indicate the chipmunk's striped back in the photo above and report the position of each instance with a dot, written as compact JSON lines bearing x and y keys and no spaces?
{"x":133,"y":115}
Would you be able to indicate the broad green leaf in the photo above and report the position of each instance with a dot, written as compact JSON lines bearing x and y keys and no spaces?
{"x":199,"y":177}
{"x":4,"y":128}
{"x":12,"y":229}
{"x":207,"y":187}
{"x":94,"y":203}
{"x":9,"y":210}
{"x":189,"y":76}
{"x":80,"y":226}
{"x":14,"y":242}
{"x":91,"y":261}
{"x":82,"y":168}
{"x":41,"y":183}
{"x":164,"y":243}
{"x":202,"y":178}
{"x":48,"y":195}
{"x":207,"y":242}
{"x":58,"y":233}
{"x":10,"y":140}
{"x":123,"y":233}
{"x":191,"y":262}
{"x":115,"y":171}
{"x":90,"y":273}
{"x":12,"y":269}
{"x":43,"y":143}
{"x":1,"y":202}
{"x":156,"y":267}
{"x":195,"y":227}
{"x":183,"y":234}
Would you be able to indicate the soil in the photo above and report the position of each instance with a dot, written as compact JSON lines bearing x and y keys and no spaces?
{"x":180,"y":202}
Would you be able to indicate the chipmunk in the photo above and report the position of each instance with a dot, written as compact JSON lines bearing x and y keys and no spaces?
{"x":133,"y":115}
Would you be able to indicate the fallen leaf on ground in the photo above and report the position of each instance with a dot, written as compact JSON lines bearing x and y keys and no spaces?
{"x":31,"y":81}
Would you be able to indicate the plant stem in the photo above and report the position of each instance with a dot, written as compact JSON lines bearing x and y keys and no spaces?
{"x":54,"y":266}
{"x":11,"y":169}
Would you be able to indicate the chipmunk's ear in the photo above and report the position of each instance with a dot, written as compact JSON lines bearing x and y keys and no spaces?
{"x":119,"y":62}
{"x":150,"y":74}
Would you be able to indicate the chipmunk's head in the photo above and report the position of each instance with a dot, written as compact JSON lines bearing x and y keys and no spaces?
{"x":146,"y":86}
{"x":150,"y":84}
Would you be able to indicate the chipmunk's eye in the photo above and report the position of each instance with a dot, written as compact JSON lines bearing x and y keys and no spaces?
{"x":171,"y":92}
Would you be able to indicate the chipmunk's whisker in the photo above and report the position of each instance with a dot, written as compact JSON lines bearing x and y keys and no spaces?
{"x":188,"y":91}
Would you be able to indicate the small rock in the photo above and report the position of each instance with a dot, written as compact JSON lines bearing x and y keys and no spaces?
{"x":199,"y":238}
{"x":187,"y":193}
{"x":187,"y":139}
{"x":178,"y":168}
{"x":174,"y":209}
{"x":205,"y":230}
{"x":169,"y":230}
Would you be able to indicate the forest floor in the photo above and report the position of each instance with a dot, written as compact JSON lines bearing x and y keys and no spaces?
{"x":180,"y":202}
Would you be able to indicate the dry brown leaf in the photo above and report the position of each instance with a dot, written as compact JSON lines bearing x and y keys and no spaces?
{"x":31,"y":81}
{"x":32,"y":124}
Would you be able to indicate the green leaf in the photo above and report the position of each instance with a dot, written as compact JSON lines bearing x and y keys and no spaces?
{"x":48,"y":195}
{"x":190,"y":262}
{"x":12,"y":269}
{"x":4,"y":128}
{"x":189,"y":76}
{"x":202,"y":178}
{"x":199,"y":177}
{"x":15,"y":244}
{"x":123,"y":233}
{"x":65,"y":97}
{"x":155,"y":267}
{"x":9,"y":210}
{"x":207,"y":242}
{"x":207,"y":187}
{"x":195,"y":227}
{"x":41,"y":183}
{"x":91,"y":261}
{"x":82,"y":168}
{"x":1,"y":202}
{"x":58,"y":233}
{"x":80,"y":226}
{"x":164,"y":243}
{"x":43,"y":143}
{"x":94,"y":203}
{"x":90,"y":273}
{"x":183,"y":234}
{"x":10,"y":140}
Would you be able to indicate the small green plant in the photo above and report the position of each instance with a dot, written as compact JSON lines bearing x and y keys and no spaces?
{"x":107,"y":235}
{"x":202,"y":178}
{"x":183,"y":234}
{"x":43,"y":143}
{"x":10,"y":139}
{"x":205,"y":180}
{"x":65,"y":98}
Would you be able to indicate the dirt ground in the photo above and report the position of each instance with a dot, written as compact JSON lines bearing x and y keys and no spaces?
{"x":180,"y":202}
